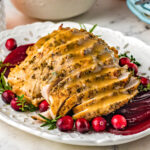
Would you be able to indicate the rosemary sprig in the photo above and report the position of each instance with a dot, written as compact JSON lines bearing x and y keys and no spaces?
{"x":82,"y":26}
{"x":142,"y":88}
{"x":50,"y":123}
{"x":4,"y":65}
{"x":92,"y":29}
{"x":21,"y":101}
{"x":132,"y":59}
{"x":123,"y":55}
{"x":3,"y":84}
{"x":32,"y":108}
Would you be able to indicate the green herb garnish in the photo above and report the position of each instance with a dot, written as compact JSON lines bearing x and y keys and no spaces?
{"x":3,"y":84}
{"x":92,"y":29}
{"x":50,"y":123}
{"x":21,"y":101}
{"x":142,"y":88}
{"x":132,"y":59}
{"x":32,"y":108}
{"x":4,"y":65}
{"x":54,"y":73}
{"x":82,"y":26}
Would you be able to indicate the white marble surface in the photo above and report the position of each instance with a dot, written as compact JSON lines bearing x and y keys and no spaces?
{"x":113,"y":14}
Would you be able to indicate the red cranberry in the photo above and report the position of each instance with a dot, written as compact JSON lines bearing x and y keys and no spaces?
{"x":119,"y":122}
{"x":11,"y":44}
{"x":14,"y":104}
{"x":99,"y":124}
{"x":82,"y":125}
{"x":124,"y":61}
{"x":43,"y":106}
{"x":132,"y":66}
{"x":7,"y":96}
{"x":65,"y":123}
{"x":144,"y":81}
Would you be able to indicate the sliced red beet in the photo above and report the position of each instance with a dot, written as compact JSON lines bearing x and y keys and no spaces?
{"x":141,"y":96}
{"x":138,"y":103}
{"x":16,"y":57}
{"x":134,"y":109}
{"x":137,"y":114}
{"x":131,"y":130}
{"x":139,"y":117}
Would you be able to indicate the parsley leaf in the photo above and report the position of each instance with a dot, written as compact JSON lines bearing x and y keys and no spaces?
{"x":50,"y":123}
{"x":132,"y":59}
{"x":3,"y":83}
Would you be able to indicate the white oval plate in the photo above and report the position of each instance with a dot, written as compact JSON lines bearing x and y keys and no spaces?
{"x":31,"y":33}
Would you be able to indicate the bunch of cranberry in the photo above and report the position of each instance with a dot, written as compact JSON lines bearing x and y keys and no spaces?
{"x":131,"y":66}
{"x":82,"y":125}
{"x":66,"y":123}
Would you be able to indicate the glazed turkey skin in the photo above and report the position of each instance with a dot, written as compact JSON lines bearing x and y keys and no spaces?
{"x":74,"y":70}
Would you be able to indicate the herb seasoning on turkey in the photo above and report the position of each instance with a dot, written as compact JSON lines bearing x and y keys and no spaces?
{"x":74,"y":70}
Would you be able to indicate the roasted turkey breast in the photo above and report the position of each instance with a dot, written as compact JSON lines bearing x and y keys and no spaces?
{"x":74,"y":70}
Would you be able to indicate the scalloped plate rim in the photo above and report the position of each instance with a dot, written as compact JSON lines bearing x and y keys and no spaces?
{"x":124,"y":139}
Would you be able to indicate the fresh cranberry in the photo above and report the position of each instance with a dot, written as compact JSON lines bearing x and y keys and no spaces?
{"x":133,"y":67}
{"x":99,"y":124}
{"x":43,"y":106}
{"x":119,"y":122}
{"x":144,"y":81}
{"x":7,"y":96}
{"x":131,"y":130}
{"x":11,"y":44}
{"x":14,"y":104}
{"x":124,"y":61}
{"x":82,"y":125}
{"x":65,"y":123}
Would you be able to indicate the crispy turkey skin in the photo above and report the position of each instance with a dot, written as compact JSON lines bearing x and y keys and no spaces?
{"x":74,"y":70}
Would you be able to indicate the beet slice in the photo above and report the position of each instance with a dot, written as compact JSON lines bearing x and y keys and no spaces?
{"x":142,"y":96}
{"x":15,"y":57}
{"x":128,"y":110}
{"x":137,"y":114}
{"x":139,"y":117}
{"x":131,"y":130}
